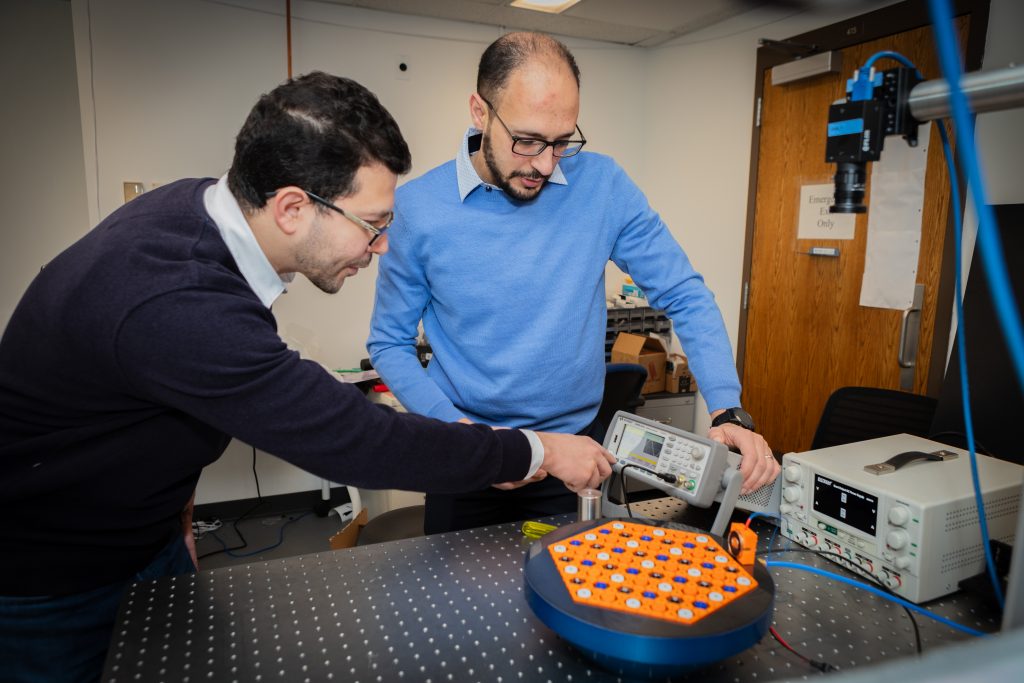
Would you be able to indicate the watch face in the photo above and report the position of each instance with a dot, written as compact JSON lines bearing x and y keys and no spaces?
{"x":736,"y":416}
{"x":744,"y":417}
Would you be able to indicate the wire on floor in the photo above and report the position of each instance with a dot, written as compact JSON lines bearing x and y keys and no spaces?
{"x":280,"y":539}
{"x":238,"y":532}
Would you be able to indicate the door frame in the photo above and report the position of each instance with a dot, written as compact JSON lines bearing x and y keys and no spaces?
{"x":880,"y":23}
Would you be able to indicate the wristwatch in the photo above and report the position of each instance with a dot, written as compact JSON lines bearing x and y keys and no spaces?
{"x":736,"y":416}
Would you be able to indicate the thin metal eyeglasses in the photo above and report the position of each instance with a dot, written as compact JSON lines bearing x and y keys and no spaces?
{"x":375,"y":230}
{"x":532,"y":147}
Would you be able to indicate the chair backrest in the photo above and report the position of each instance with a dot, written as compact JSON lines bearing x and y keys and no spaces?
{"x":622,"y":385}
{"x":860,"y":413}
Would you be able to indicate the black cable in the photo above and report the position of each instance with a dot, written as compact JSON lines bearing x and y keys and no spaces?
{"x":824,"y":667}
{"x":280,"y":539}
{"x":622,"y":491}
{"x":825,"y":553}
{"x":664,"y":476}
{"x":258,"y":503}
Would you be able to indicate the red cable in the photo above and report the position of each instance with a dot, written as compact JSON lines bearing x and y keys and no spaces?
{"x":775,"y":634}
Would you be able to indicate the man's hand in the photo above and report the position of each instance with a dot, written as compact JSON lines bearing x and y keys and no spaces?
{"x":759,"y":466}
{"x":579,"y":461}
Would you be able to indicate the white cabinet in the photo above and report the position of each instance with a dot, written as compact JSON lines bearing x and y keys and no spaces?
{"x":677,"y":410}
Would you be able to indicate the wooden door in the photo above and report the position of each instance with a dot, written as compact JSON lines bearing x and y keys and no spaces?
{"x":804,"y":333}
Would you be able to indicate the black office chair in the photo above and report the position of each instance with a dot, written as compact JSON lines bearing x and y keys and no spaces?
{"x":623,"y":383}
{"x":861,"y":413}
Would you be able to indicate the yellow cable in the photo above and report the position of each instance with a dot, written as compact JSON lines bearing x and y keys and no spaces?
{"x":535,"y":530}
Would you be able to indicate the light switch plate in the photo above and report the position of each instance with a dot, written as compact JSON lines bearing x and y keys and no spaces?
{"x":132,"y":189}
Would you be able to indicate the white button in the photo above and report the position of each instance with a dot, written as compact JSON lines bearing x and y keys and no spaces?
{"x":675,"y":551}
{"x":583,"y":593}
{"x":647,"y":564}
{"x":658,"y":532}
{"x":591,"y":537}
{"x":721,"y":559}
{"x":618,"y":578}
{"x":570,"y":569}
{"x":685,"y":614}
{"x":560,"y":548}
{"x":693,"y":571}
{"x":604,"y":557}
{"x":702,"y":539}
{"x":618,"y":525}
{"x":632,"y":544}
{"x":715,"y":597}
{"x":743,"y":581}
{"x":665,"y":587}
{"x":633,"y":602}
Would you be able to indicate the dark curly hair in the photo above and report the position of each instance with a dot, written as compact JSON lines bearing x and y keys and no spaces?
{"x":314,"y":131}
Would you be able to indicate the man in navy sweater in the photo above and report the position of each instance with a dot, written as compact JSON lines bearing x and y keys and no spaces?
{"x":138,"y":352}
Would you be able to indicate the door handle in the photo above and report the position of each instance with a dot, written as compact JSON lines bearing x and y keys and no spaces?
{"x":904,"y":347}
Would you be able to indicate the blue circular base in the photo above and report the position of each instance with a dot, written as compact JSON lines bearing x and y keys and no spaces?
{"x":638,"y":646}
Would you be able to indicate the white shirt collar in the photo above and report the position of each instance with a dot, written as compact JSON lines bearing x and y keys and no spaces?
{"x":469,"y":179}
{"x":237,"y":235}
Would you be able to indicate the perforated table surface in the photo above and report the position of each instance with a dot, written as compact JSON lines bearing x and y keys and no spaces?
{"x":452,"y":607}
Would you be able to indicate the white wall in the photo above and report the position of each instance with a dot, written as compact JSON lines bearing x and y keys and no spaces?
{"x":42,"y":187}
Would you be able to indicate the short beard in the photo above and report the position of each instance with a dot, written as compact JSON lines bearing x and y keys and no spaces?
{"x":309,"y":264}
{"x":504,"y":182}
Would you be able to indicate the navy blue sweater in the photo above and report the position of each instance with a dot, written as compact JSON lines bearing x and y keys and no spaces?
{"x":132,"y":359}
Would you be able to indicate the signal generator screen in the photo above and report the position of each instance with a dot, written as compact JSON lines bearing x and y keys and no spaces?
{"x":640,"y":446}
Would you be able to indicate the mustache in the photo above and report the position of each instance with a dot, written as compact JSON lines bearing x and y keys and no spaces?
{"x":530,"y":176}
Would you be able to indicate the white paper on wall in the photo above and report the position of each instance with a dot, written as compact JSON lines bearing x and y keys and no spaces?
{"x":894,"y":223}
{"x":815,"y":220}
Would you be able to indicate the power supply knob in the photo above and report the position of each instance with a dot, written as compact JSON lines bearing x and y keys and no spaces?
{"x":792,"y":474}
{"x":896,"y":539}
{"x":785,"y":508}
{"x":899,"y":515}
{"x":902,"y":562}
{"x":791,"y":494}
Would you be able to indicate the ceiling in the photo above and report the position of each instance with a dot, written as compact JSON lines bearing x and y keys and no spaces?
{"x":643,"y":23}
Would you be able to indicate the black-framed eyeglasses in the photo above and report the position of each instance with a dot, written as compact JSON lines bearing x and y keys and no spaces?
{"x":375,"y":230}
{"x":532,"y":147}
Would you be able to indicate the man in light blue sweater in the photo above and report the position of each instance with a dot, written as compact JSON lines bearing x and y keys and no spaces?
{"x":501,"y":253}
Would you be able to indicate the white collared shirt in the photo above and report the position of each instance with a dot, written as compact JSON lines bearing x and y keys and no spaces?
{"x":234,"y":229}
{"x":469,"y":179}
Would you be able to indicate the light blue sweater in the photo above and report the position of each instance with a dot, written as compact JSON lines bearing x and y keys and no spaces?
{"x":512,"y":297}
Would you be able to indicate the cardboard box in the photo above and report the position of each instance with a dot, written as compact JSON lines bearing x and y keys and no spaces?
{"x":678,"y":378}
{"x":349,"y":534}
{"x":645,"y":351}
